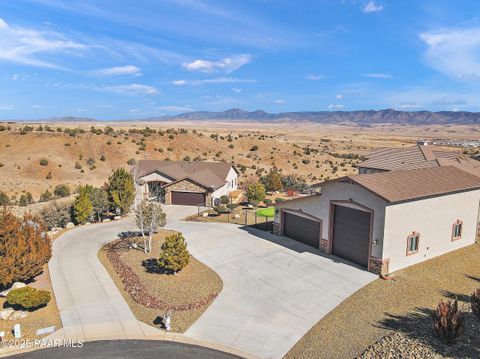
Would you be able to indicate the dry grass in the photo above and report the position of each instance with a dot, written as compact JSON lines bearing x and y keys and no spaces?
{"x":40,"y":318}
{"x":398,"y":304}
{"x":193,"y":283}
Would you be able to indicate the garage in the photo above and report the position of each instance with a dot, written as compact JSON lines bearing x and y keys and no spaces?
{"x":188,"y":198}
{"x":302,"y":229}
{"x":351,"y":234}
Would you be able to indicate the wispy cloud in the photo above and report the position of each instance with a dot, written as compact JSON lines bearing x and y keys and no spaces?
{"x":131,"y":89}
{"x":335,"y":107}
{"x":227,"y":64}
{"x":26,"y":46}
{"x":339,"y":96}
{"x":37,"y":106}
{"x":236,"y":89}
{"x":117,"y":71}
{"x":175,"y":108}
{"x":372,"y":6}
{"x":216,"y":80}
{"x":409,"y":106}
{"x":378,"y":76}
{"x":454,"y":51}
{"x":280,"y":101}
{"x":314,"y":77}
{"x":7,"y":107}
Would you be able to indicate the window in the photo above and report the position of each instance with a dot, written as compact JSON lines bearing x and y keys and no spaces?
{"x":457,"y":230}
{"x":412,"y":243}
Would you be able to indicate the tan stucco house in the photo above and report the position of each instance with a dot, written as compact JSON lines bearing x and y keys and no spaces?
{"x":184,"y":183}
{"x":389,"y":220}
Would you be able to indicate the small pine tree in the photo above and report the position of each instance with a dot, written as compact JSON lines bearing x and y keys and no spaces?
{"x":61,"y":190}
{"x":23,"y":201}
{"x":255,"y":193}
{"x":273,"y":180}
{"x":82,"y":207}
{"x":4,"y":199}
{"x":174,"y":256}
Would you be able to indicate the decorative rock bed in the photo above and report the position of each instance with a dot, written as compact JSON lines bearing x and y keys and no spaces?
{"x":138,"y":291}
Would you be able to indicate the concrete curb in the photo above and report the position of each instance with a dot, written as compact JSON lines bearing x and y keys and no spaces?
{"x":160,"y":336}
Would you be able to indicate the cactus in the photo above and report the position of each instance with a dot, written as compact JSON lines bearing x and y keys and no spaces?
{"x":475,"y":302}
{"x":448,"y":321}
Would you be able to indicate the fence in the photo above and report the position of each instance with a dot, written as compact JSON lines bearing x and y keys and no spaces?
{"x":240,"y":215}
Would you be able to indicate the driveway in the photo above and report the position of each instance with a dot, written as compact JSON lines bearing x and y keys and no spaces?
{"x":275,"y":289}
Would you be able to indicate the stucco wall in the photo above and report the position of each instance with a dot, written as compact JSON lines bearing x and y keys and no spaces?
{"x":433,"y":218}
{"x":229,"y":186}
{"x":319,"y":206}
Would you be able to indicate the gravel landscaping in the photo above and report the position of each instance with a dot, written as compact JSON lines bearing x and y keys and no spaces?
{"x":392,"y":318}
{"x":37,"y":319}
{"x":150,"y":294}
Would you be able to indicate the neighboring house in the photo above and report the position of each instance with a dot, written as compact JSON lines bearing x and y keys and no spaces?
{"x":419,"y":156}
{"x":387,"y":221}
{"x":184,"y":183}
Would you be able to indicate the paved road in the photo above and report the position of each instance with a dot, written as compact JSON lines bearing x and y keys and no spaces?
{"x":275,"y":289}
{"x":126,"y":349}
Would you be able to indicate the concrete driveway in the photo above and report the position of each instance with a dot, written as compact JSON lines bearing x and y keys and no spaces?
{"x":275,"y":289}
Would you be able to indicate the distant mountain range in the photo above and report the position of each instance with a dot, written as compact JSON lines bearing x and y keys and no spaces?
{"x":361,"y":117}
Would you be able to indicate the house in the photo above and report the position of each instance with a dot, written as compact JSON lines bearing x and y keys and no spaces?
{"x":387,"y":221}
{"x":184,"y":183}
{"x":423,"y":155}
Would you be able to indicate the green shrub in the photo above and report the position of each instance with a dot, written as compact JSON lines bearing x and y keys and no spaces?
{"x":174,"y":256}
{"x":28,"y":298}
{"x":448,"y":321}
{"x":254,"y":148}
{"x":224,"y":199}
{"x":78,"y":166}
{"x":132,"y":161}
{"x":61,"y":190}
{"x":4,"y":199}
{"x":23,"y":202}
{"x":267,"y":202}
{"x":279,"y":199}
{"x":222,"y":208}
{"x":49,"y":175}
{"x":43,"y":162}
{"x":46,"y":196}
{"x":475,"y":302}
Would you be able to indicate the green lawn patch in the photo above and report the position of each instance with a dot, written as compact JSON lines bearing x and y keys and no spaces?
{"x":266,"y":212}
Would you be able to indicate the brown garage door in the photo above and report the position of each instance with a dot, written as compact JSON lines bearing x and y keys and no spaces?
{"x":302,"y":229}
{"x":188,"y":198}
{"x":351,"y":234}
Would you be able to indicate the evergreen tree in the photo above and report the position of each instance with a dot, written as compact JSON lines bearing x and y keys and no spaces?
{"x":24,"y":247}
{"x":121,"y":190}
{"x":255,"y":193}
{"x":82,"y":207}
{"x":4,"y":199}
{"x":174,"y":256}
{"x":273,"y":180}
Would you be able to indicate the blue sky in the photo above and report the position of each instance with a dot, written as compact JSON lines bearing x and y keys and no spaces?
{"x":136,"y":59}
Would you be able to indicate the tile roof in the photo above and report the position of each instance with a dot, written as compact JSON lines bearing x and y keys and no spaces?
{"x":419,"y":156}
{"x":208,"y":174}
{"x":406,"y":185}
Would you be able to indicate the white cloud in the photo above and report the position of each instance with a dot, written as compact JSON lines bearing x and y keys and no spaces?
{"x":371,"y":6}
{"x":135,"y":110}
{"x":339,"y":96}
{"x":227,"y":64}
{"x":315,"y":77}
{"x":409,"y":105}
{"x":378,"y":76}
{"x":175,"y":108}
{"x":216,"y":80}
{"x":37,"y":106}
{"x":6,"y":107}
{"x":236,"y":89}
{"x":132,"y":89}
{"x":179,"y":82}
{"x":280,"y":101}
{"x":335,"y":107}
{"x":454,"y":51}
{"x":24,"y":46}
{"x":117,"y":71}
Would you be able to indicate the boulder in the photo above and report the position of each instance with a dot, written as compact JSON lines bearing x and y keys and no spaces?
{"x":50,"y":234}
{"x":117,"y":217}
{"x":236,"y":216}
{"x":106,"y":220}
{"x":87,"y":223}
{"x":205,"y":214}
{"x":69,"y":225}
{"x":19,"y":314}
{"x":6,"y":313}
{"x":55,"y":230}
{"x":18,"y":285}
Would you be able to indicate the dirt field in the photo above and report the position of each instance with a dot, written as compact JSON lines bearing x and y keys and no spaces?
{"x":89,"y":157}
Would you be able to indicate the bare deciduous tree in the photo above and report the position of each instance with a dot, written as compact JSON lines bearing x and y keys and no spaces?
{"x":149,"y":217}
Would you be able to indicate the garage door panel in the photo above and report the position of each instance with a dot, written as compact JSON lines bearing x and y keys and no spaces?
{"x":188,"y":198}
{"x":351,"y":234}
{"x":302,"y":229}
